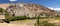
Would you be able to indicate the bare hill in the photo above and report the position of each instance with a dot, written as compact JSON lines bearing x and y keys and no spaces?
{"x":28,"y":9}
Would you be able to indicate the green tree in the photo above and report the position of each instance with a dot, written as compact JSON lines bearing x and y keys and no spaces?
{"x":1,"y":10}
{"x":7,"y":16}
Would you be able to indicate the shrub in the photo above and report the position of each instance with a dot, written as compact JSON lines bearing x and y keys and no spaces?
{"x":44,"y":23}
{"x":47,"y":24}
{"x":7,"y":17}
{"x":29,"y":17}
{"x":17,"y":18}
{"x":1,"y":10}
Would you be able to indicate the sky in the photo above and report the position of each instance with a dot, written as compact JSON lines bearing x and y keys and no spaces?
{"x":52,"y":4}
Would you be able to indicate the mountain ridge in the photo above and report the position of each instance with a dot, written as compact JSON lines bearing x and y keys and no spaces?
{"x":32,"y":9}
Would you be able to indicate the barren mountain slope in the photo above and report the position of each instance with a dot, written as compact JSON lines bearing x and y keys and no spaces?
{"x":29,"y":9}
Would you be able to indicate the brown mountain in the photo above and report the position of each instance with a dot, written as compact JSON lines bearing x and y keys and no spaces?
{"x":30,"y":10}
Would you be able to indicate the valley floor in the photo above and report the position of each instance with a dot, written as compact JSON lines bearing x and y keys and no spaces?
{"x":19,"y":23}
{"x":30,"y":22}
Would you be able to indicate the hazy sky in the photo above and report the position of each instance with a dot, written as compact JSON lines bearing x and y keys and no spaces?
{"x":47,"y":3}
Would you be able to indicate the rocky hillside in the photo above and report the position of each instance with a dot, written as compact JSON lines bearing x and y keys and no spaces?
{"x":29,"y":9}
{"x":4,"y":6}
